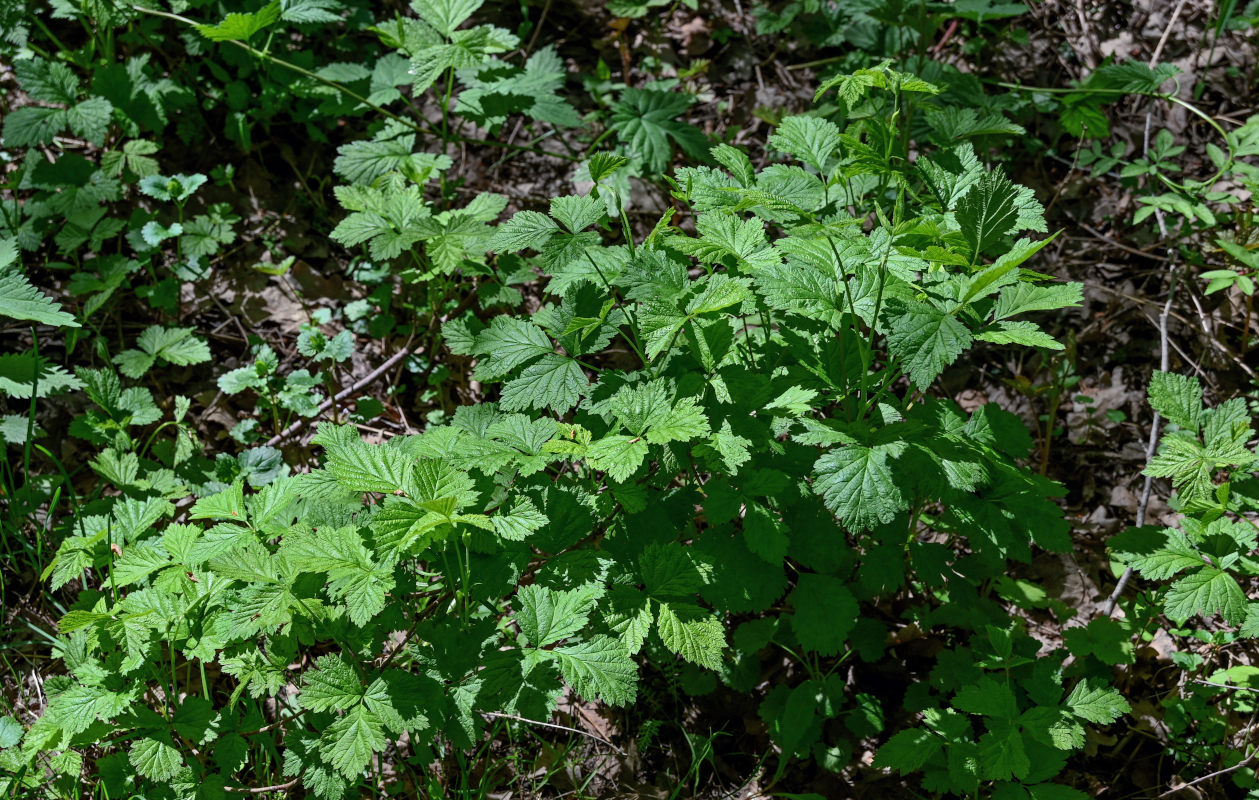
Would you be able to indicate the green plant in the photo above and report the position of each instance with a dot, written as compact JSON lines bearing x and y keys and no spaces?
{"x":1195,"y":570}
{"x":776,"y":373}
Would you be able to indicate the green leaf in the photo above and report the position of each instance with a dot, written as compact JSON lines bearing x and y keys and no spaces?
{"x":599,"y":668}
{"x":1206,"y":591}
{"x":523,"y":519}
{"x":331,"y":686}
{"x":813,"y":140}
{"x":175,"y":345}
{"x":446,"y":15}
{"x":1024,"y":297}
{"x":601,"y":165}
{"x":908,"y":751}
{"x":1178,"y":398}
{"x":155,"y":759}
{"x":987,"y":697}
{"x":242,"y":26}
{"x":825,"y":613}
{"x":925,"y":338}
{"x":994,"y":207}
{"x":547,"y":616}
{"x":228,"y":504}
{"x":1001,"y":752}
{"x":352,"y":574}
{"x":617,"y":455}
{"x":554,"y":382}
{"x":33,"y":125}
{"x":1098,"y":705}
{"x":856,"y":484}
{"x":527,"y":230}
{"x":1021,"y":332}
{"x":576,"y":212}
{"x":507,"y":343}
{"x":692,"y":633}
{"x":646,"y":120}
{"x":348,"y":744}
{"x":19,"y":299}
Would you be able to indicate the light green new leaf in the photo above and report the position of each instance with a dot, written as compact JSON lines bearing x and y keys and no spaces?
{"x":242,"y":26}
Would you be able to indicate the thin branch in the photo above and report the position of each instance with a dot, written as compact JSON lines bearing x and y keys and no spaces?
{"x":344,"y":394}
{"x":587,"y":734}
{"x":279,"y":787}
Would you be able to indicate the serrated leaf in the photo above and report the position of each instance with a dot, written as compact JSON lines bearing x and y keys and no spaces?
{"x":527,"y":230}
{"x":908,"y":751}
{"x":349,"y":743}
{"x":1098,"y":705}
{"x":1209,"y":590}
{"x":813,"y":140}
{"x":599,"y":668}
{"x":825,"y":612}
{"x":242,"y":26}
{"x":1178,"y":398}
{"x":547,"y":616}
{"x":331,"y":686}
{"x":554,"y":382}
{"x":926,"y":339}
{"x":856,"y":484}
{"x":155,"y":759}
{"x":692,"y":633}
{"x":19,"y":299}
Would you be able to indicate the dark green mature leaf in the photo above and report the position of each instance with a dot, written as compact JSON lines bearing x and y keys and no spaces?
{"x":646,"y":120}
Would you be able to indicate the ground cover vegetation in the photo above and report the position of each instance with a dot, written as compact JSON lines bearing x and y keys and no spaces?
{"x":659,"y":399}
